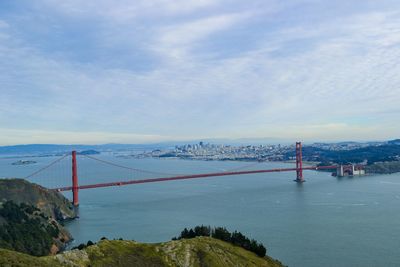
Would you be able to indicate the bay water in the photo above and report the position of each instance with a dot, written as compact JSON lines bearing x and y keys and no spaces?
{"x":325,"y":221}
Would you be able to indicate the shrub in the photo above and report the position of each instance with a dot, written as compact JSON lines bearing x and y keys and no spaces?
{"x":236,"y":238}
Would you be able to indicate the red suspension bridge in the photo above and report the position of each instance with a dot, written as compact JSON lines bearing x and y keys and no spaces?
{"x":75,"y":186}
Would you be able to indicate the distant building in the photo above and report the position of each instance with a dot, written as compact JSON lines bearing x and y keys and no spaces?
{"x":350,"y":170}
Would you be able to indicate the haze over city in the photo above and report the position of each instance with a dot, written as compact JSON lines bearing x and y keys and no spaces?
{"x":152,"y":71}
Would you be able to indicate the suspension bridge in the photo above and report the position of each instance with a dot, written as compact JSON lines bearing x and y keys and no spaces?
{"x":147,"y":176}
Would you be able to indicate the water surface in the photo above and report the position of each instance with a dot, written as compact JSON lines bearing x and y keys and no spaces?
{"x":324,"y":222}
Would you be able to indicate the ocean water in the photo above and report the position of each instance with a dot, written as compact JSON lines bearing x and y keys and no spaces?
{"x":325,"y":221}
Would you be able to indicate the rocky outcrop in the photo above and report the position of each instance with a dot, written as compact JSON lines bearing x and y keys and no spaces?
{"x":50,"y":202}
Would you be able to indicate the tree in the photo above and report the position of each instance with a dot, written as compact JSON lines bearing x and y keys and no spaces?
{"x":222,"y":234}
{"x":202,"y":230}
{"x":236,"y":238}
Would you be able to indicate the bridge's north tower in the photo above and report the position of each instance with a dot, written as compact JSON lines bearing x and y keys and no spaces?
{"x":75,"y":188}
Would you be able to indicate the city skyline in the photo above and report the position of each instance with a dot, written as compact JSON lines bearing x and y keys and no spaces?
{"x":95,"y":72}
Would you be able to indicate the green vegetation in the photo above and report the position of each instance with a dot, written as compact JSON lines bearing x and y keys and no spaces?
{"x":383,"y":167}
{"x":88,"y":244}
{"x":28,"y":218}
{"x":197,"y":252}
{"x":235,"y":238}
{"x":24,"y":228}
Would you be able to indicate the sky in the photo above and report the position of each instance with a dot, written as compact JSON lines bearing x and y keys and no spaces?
{"x":122,"y":71}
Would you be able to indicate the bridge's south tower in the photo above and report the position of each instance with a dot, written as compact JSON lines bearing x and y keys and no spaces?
{"x":299,"y":163}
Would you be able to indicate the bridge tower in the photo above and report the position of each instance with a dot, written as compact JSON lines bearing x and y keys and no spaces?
{"x":299,"y":164}
{"x":75,"y":189}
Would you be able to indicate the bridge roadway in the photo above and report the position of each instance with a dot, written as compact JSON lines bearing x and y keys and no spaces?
{"x":191,"y":176}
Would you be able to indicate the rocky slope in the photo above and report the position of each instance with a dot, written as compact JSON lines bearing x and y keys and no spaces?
{"x":200,"y":251}
{"x":52,"y":203}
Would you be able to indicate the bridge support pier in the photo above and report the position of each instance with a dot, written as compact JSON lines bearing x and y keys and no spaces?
{"x":75,"y":189}
{"x":299,"y":163}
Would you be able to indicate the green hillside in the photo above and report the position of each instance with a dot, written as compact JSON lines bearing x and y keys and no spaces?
{"x":383,"y":167}
{"x":30,"y":217}
{"x":200,"y":251}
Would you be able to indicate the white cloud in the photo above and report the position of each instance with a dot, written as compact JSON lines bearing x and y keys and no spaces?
{"x":126,"y":10}
{"x":14,"y":136}
{"x":338,"y":81}
{"x":3,"y":24}
{"x":175,"y":41}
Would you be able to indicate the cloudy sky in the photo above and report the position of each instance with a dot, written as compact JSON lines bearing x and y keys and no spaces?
{"x":98,"y":71}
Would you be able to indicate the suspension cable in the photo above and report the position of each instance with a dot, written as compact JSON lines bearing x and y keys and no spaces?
{"x":128,"y":168}
{"x":46,"y":167}
{"x":243,"y":167}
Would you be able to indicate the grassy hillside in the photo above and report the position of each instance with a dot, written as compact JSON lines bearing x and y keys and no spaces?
{"x":10,"y":258}
{"x":200,"y":251}
{"x":51,"y":203}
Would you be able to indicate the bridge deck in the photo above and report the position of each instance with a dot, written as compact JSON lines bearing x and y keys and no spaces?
{"x":192,"y":176}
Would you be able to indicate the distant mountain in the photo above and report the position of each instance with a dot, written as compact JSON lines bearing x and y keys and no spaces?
{"x":89,"y":152}
{"x":394,"y":142}
{"x":240,"y":141}
{"x":41,"y":149}
{"x":51,"y":149}
{"x":370,"y":154}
